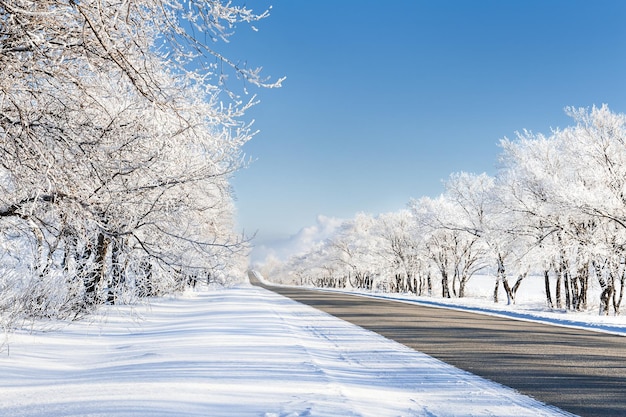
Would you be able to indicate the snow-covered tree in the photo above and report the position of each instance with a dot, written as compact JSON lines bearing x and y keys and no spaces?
{"x":403,"y":252}
{"x":118,"y":136}
{"x":356,"y":249}
{"x":452,"y":235}
{"x":557,"y":208}
{"x":569,"y":186}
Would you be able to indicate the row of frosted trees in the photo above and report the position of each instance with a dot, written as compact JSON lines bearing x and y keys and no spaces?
{"x":556,"y":208}
{"x":117,"y":142}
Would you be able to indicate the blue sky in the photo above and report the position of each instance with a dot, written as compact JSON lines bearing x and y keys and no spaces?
{"x":384,"y":100}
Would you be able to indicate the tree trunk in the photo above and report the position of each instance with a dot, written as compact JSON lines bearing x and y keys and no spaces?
{"x":584,"y":286}
{"x":581,"y":286}
{"x":444,"y":284}
{"x":575,"y":294}
{"x":117,"y":271}
{"x":510,"y":297}
{"x":618,"y":301}
{"x":566,"y":282}
{"x":462,"y":284}
{"x":410,"y":283}
{"x":546,"y":279}
{"x":517,"y":284}
{"x":496,"y":289}
{"x":559,"y":276}
{"x":605,"y":297}
{"x":500,"y":275}
{"x":420,"y":284}
{"x":99,"y":271}
{"x":455,"y":280}
{"x":607,"y":288}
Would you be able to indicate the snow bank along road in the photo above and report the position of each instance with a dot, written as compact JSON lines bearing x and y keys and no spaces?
{"x":239,"y":352}
{"x":580,"y":371}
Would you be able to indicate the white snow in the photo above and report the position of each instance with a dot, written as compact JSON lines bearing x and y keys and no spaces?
{"x":241,"y":351}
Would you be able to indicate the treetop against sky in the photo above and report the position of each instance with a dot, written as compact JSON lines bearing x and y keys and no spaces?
{"x":383,"y":102}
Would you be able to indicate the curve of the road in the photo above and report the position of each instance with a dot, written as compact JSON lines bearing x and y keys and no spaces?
{"x":579,"y":371}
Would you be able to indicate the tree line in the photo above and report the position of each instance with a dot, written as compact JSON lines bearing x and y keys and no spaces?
{"x":118,"y":138}
{"x":556,"y":208}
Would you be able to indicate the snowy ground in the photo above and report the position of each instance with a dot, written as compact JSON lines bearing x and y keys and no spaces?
{"x":243,"y":351}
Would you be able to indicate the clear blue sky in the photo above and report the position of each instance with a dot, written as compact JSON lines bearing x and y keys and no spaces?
{"x":384,"y":99}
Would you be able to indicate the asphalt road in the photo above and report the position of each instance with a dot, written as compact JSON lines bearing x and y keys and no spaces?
{"x":578,"y":371}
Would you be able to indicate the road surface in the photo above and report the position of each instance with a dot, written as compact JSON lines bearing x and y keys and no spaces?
{"x":578,"y":371}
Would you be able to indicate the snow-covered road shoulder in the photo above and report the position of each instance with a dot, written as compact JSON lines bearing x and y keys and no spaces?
{"x":236,"y":352}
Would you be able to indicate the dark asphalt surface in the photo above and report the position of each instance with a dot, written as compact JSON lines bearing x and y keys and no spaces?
{"x":578,"y":371}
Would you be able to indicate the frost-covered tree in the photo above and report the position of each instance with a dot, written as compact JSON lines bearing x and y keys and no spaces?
{"x":118,"y":136}
{"x":357,"y":250}
{"x":557,"y":208}
{"x":570,"y":188}
{"x":596,"y":151}
{"x":452,"y":240}
{"x":404,"y":253}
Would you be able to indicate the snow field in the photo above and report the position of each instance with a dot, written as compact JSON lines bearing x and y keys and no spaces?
{"x":242,"y":351}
